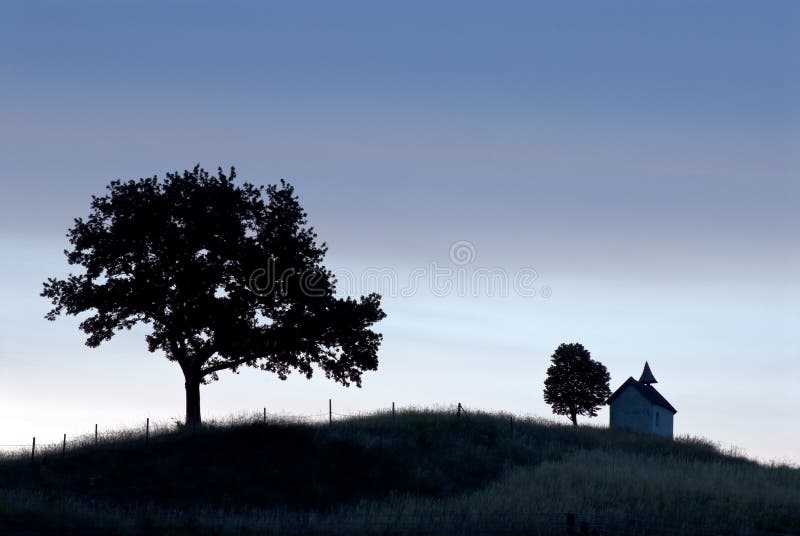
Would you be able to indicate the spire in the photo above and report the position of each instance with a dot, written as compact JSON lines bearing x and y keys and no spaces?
{"x":647,"y":375}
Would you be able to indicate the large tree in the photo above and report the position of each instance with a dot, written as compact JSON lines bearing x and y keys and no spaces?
{"x":576,"y":384}
{"x":225,"y":275}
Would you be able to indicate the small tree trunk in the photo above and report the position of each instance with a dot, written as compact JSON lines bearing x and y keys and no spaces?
{"x":574,"y":416}
{"x":192,"y":403}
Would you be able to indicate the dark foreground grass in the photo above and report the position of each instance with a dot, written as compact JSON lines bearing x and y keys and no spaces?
{"x":422,"y":472}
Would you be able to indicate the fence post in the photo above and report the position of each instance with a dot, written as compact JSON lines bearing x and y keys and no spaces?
{"x":147,"y":431}
{"x":458,"y":412}
{"x":64,"y":447}
{"x":265,"y":414}
{"x":95,"y":435}
{"x":511,"y":423}
{"x":330,"y":412}
{"x":570,"y":519}
{"x":33,"y":449}
{"x":393,"y":410}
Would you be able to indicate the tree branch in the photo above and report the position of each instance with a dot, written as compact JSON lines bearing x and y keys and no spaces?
{"x":226,"y":365}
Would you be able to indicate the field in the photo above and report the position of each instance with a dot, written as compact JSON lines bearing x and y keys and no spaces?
{"x":420,"y":472}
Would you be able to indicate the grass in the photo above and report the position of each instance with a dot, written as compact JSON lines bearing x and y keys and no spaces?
{"x":423,"y":472}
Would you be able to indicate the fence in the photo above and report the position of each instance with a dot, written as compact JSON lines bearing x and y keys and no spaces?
{"x":34,"y":450}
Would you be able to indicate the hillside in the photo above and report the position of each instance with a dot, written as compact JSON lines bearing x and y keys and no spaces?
{"x":422,"y":472}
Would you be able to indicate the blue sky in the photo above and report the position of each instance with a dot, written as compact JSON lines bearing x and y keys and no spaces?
{"x":642,"y":159}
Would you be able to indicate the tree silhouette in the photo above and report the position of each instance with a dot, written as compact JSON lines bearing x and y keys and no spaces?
{"x":224,"y":275}
{"x":575,"y":384}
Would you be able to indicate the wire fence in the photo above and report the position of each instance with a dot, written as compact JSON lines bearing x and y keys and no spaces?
{"x":34,"y":449}
{"x":148,"y":428}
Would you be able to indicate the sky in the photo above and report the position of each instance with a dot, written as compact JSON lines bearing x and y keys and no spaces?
{"x":619,"y":174}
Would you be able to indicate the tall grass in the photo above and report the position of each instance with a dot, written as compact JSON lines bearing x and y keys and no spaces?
{"x":419,"y":472}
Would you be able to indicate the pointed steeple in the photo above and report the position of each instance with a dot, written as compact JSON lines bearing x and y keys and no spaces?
{"x":647,"y":375}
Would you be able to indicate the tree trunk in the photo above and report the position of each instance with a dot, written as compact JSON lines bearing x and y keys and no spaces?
{"x":573,"y":415}
{"x":193,"y":403}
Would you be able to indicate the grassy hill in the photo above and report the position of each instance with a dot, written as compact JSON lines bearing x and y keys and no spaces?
{"x":422,"y":472}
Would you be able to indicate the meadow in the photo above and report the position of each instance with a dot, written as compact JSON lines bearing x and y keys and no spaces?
{"x":417,"y":472}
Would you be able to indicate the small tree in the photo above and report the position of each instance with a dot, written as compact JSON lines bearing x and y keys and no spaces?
{"x":225,"y":276}
{"x":575,"y":384}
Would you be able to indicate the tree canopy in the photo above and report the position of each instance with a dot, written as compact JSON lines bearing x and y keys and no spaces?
{"x":225,"y":275}
{"x":576,"y":384}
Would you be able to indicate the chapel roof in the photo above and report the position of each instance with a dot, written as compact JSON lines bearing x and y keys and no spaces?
{"x":647,"y":391}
